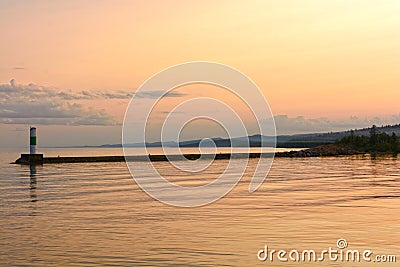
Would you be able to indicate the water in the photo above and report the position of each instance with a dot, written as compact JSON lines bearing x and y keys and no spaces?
{"x":95,"y":214}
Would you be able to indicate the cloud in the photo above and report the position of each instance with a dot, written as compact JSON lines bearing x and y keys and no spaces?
{"x":157,"y":94}
{"x":33,"y":91}
{"x":300,"y":124}
{"x":12,"y":83}
{"x":34,"y":104}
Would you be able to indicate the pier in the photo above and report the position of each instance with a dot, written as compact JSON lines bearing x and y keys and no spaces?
{"x":38,"y":159}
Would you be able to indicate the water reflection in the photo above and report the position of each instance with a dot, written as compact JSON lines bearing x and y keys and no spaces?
{"x":33,"y":182}
{"x":94,"y":214}
{"x":377,"y":156}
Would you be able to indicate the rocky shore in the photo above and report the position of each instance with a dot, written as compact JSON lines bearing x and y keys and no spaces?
{"x":320,"y":151}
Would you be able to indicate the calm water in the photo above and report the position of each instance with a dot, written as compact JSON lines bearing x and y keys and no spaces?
{"x":95,"y":214}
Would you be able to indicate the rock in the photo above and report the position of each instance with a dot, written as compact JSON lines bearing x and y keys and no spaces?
{"x":320,"y":151}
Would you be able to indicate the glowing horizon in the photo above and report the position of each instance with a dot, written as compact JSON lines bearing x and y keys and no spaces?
{"x":317,"y":59}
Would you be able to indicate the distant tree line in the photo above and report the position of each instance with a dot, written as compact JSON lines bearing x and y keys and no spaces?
{"x":383,"y":127}
{"x":375,"y":142}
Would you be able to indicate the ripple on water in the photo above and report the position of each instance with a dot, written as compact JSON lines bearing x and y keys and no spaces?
{"x":95,"y":214}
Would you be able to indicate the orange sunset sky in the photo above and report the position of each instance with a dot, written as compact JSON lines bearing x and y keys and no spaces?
{"x":73,"y":65}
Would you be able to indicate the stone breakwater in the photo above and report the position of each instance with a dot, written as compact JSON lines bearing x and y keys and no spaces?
{"x":27,"y":159}
{"x":320,"y":151}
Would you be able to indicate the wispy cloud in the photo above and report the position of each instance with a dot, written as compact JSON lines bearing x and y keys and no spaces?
{"x":32,"y":103}
{"x":157,"y":94}
{"x":35,"y":104}
{"x":300,"y":124}
{"x":33,"y":91}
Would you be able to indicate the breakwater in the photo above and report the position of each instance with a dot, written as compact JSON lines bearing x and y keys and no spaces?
{"x":40,"y":159}
{"x":321,"y":151}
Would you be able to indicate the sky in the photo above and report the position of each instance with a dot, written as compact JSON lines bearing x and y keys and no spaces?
{"x":71,"y":67}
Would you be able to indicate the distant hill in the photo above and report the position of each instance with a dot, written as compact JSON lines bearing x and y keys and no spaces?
{"x":287,"y":141}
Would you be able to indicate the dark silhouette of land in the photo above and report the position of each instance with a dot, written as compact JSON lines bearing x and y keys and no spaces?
{"x":375,"y":143}
{"x":282,"y":141}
